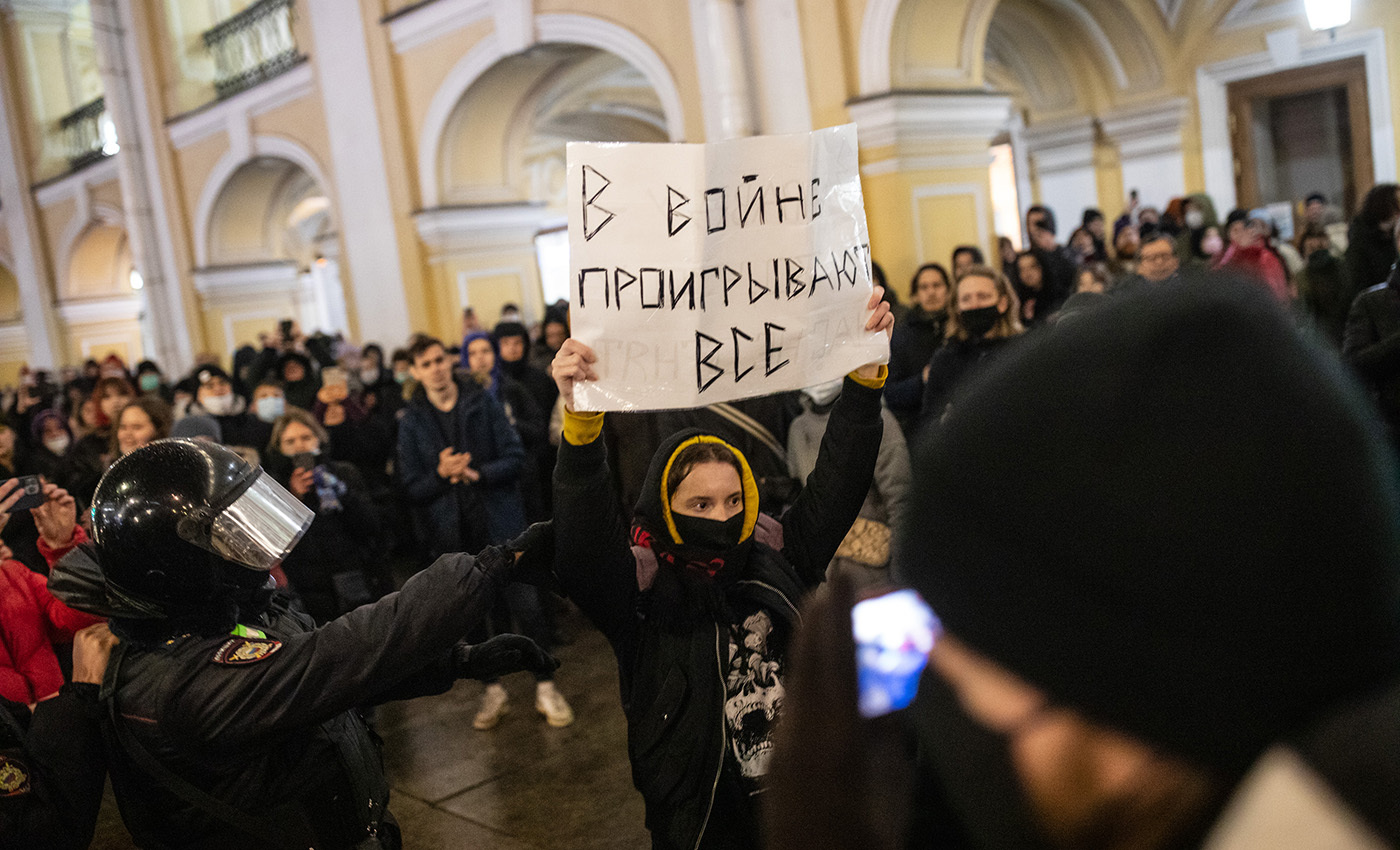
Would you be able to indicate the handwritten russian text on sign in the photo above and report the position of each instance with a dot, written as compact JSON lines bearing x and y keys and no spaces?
{"x":708,"y":273}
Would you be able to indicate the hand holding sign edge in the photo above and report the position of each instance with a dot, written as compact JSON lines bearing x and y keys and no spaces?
{"x":881,"y":319}
{"x":572,"y":364}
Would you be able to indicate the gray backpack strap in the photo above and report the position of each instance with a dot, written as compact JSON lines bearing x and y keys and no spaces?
{"x":646,"y":566}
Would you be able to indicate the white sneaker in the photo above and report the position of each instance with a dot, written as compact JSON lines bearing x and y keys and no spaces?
{"x":494,"y":705}
{"x":551,"y":703}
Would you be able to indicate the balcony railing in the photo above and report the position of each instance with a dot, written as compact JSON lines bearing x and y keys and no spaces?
{"x":252,"y":46}
{"x":87,"y":134}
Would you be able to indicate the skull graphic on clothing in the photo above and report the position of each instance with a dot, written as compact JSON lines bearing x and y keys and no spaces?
{"x":755,"y":693}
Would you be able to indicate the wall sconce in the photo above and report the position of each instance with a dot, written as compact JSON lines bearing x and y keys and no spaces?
{"x":137,"y":282}
{"x":1328,"y":14}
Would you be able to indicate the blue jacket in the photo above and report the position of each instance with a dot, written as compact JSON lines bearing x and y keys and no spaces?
{"x":483,"y":430}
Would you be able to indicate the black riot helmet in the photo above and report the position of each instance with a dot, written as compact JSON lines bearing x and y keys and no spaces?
{"x":185,"y":523}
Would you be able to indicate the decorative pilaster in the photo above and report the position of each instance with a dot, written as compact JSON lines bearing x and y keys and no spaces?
{"x":148,"y":225}
{"x":1062,"y":157}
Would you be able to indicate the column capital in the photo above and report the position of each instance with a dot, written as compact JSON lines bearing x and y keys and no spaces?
{"x":929,"y":130}
{"x":1147,"y":129}
{"x":1061,"y":145}
{"x":483,"y":228}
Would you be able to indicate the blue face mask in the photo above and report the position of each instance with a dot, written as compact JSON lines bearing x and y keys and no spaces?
{"x":268,"y":408}
{"x":150,"y":382}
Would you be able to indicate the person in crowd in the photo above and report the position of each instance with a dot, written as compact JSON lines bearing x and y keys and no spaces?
{"x":1149,"y":218}
{"x":357,"y":436}
{"x":1370,"y":251}
{"x":513,"y":343}
{"x":383,"y":396}
{"x":9,"y":459}
{"x":31,"y":619}
{"x":480,"y":358}
{"x":1127,"y":241}
{"x":1093,"y":278}
{"x":964,"y":258}
{"x":1157,"y":263}
{"x":1096,"y":223}
{"x":1317,"y":211}
{"x":268,"y":402}
{"x":1057,"y":265}
{"x":1248,"y":253}
{"x":338,"y":565}
{"x":197,"y":426}
{"x":553,"y":331}
{"x":864,"y":554}
{"x":1038,"y":299}
{"x":144,"y":420}
{"x":1322,"y":284}
{"x":1006,"y":258}
{"x":1371,"y":342}
{"x":1082,"y":248}
{"x":151,"y":381}
{"x":1198,"y":216}
{"x":56,"y":768}
{"x":216,"y":398}
{"x":460,"y":461}
{"x":231,"y":719}
{"x":915,"y":339}
{"x":1074,"y":697}
{"x":983,"y":316}
{"x":85,"y":462}
{"x":699,"y":598}
{"x":877,"y":273}
{"x":1205,"y":247}
{"x":50,"y":439}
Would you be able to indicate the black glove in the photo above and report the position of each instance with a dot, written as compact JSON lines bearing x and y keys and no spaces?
{"x":499,"y":656}
{"x":536,"y":562}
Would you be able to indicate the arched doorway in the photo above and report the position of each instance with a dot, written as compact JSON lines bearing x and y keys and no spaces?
{"x":97,"y":301}
{"x":271,"y":248}
{"x":500,"y":235}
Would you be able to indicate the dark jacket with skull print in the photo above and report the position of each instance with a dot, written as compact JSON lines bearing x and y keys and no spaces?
{"x":669,"y":623}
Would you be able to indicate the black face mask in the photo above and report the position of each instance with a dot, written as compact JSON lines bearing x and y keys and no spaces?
{"x":709,"y":533}
{"x":978,"y":323}
{"x":974,"y":768}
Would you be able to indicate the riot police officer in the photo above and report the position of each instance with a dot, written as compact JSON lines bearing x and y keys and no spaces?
{"x":231,"y":717}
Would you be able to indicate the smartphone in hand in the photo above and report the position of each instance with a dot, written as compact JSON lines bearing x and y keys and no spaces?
{"x":894,"y":634}
{"x":304,"y":460}
{"x":33,"y":490}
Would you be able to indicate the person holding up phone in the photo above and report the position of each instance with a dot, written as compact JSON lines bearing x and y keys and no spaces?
{"x":31,"y":619}
{"x":697,"y":592}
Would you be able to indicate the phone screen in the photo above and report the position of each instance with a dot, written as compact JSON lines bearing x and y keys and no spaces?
{"x":33,"y":490}
{"x":894,"y":634}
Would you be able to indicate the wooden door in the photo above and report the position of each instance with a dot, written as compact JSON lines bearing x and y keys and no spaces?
{"x":1345,"y":81}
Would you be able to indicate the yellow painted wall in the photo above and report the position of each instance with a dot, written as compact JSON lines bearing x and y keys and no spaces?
{"x":915,"y":217}
{"x":98,"y":339}
{"x":832,"y":75}
{"x":9,"y":296}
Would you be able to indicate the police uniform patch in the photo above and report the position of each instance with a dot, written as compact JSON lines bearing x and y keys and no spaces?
{"x":14,"y":777}
{"x":246,"y":650}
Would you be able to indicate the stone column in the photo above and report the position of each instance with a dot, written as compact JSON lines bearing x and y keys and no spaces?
{"x":149,"y":226}
{"x":925,"y":166}
{"x":1149,"y":148}
{"x":717,"y":28}
{"x":1062,"y":157}
{"x":22,"y":221}
{"x":366,"y":212}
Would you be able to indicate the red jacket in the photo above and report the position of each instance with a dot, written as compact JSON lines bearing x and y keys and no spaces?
{"x":1260,"y":263}
{"x":31,"y":621}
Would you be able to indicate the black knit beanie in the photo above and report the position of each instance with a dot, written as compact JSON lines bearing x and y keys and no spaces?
{"x":1172,"y":515}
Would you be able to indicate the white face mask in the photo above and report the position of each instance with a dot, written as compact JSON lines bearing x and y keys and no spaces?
{"x":370,"y":376}
{"x":1195,"y":219}
{"x":218,"y":405}
{"x":58,"y":445}
{"x":1212,"y":245}
{"x":269,"y":407}
{"x":824,"y":394}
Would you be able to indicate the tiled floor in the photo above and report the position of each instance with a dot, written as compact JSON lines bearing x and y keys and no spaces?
{"x":521,"y":786}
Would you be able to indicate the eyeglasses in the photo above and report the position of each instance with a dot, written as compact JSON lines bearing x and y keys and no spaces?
{"x":1157,"y":258}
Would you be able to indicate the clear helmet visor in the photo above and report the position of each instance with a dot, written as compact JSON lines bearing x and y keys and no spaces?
{"x":261,"y":526}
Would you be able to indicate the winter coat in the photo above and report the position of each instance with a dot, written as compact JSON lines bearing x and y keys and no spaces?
{"x":951,"y":366}
{"x":1372,"y":345}
{"x":914,"y":341}
{"x":497,"y":454}
{"x":1324,"y":293}
{"x":31,"y":621}
{"x":1258,"y":263}
{"x":1369,"y":256}
{"x":886,"y":496}
{"x":239,"y":427}
{"x":669,"y":623}
{"x":342,"y":540}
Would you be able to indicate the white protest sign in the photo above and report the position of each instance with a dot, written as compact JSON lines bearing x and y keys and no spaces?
{"x":708,"y":273}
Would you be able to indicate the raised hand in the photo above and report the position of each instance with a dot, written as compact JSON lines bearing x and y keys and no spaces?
{"x":56,"y":517}
{"x":572,"y":364}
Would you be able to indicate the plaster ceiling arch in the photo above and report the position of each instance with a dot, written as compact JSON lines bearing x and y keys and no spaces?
{"x":269,"y":210}
{"x":527,"y":106}
{"x":99,"y":264}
